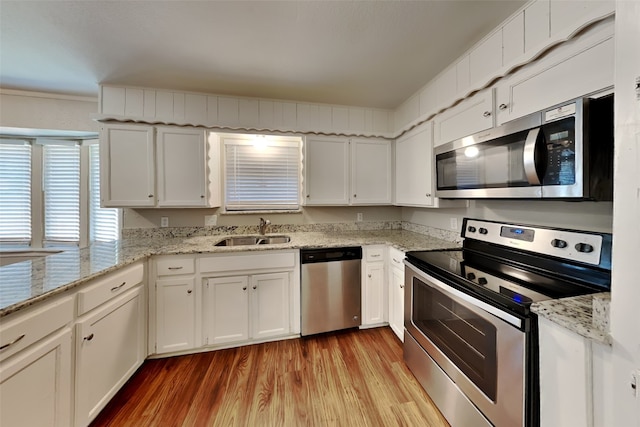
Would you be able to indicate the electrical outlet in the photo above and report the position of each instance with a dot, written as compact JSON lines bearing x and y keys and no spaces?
{"x":454,"y":223}
{"x":210,"y":220}
{"x":164,"y":221}
{"x":359,"y":216}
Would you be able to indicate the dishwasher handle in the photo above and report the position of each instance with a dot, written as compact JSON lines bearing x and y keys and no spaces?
{"x":308,"y":256}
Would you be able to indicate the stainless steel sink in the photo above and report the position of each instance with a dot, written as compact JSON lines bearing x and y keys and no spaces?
{"x":253,"y":240}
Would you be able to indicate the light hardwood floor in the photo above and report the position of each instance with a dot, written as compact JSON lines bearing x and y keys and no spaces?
{"x":347,"y":378}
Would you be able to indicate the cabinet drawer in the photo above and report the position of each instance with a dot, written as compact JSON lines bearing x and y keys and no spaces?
{"x":171,"y":266}
{"x":114,"y":284}
{"x":396,"y":258}
{"x":374,"y":254}
{"x":252,"y":261}
{"x":23,"y":329}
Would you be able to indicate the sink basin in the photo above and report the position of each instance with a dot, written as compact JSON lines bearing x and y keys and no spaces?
{"x":253,"y":240}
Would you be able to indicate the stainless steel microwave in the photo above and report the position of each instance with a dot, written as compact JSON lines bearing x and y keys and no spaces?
{"x":563,"y":152}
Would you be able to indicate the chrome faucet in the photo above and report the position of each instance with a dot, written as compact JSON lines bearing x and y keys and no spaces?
{"x":263,"y":225}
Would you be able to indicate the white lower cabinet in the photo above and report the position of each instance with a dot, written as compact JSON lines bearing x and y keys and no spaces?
{"x":109,"y":348}
{"x":396,"y":292}
{"x":374,"y":299}
{"x":226,"y":312}
{"x":240,"y":308}
{"x":175,"y":314}
{"x":35,"y":385}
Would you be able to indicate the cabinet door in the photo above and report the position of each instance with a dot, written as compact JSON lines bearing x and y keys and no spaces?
{"x":227,"y":309}
{"x":181,"y":173}
{"x":560,"y":75}
{"x":370,"y":172}
{"x":414,"y":168}
{"x":175,"y":314}
{"x":374,"y":300}
{"x":472,"y":115}
{"x":127,"y":166}
{"x":35,"y":384}
{"x":109,"y":348}
{"x":396,"y":305}
{"x":326,"y":165}
{"x":270,"y":308}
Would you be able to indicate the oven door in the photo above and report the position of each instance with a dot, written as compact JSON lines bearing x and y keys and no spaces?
{"x":480,"y":348}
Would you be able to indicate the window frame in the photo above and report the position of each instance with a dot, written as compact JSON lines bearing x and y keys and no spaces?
{"x":258,"y":139}
{"x":37,"y":144}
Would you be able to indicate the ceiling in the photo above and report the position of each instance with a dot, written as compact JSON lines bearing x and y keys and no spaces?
{"x":361,"y":53}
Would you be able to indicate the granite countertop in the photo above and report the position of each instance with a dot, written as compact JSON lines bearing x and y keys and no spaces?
{"x":25,"y":283}
{"x":586,"y":315}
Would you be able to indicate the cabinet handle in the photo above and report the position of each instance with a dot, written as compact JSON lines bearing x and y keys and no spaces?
{"x":502,"y":107}
{"x":12,"y":342}
{"x":428,"y":194}
{"x":189,"y":291}
{"x":150,"y":195}
{"x":115,"y":288}
{"x":88,"y":337}
{"x":175,"y":268}
{"x":375,"y":255}
{"x":202,"y":196}
{"x":486,"y":114}
{"x":395,"y":260}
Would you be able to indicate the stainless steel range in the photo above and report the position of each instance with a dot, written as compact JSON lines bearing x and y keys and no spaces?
{"x":471,"y":339}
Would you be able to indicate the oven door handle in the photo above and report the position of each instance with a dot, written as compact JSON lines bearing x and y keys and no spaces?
{"x":435,"y":283}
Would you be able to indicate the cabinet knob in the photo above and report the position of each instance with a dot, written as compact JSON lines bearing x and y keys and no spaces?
{"x":88,"y":337}
{"x":369,"y":275}
{"x":486,"y":114}
{"x":308,"y":195}
{"x":150,"y":195}
{"x":355,"y":195}
{"x":428,"y":194}
{"x":502,"y":107}
{"x":401,"y":286}
{"x":244,"y":288}
{"x":255,"y":287}
{"x":202,"y":196}
{"x":189,"y":291}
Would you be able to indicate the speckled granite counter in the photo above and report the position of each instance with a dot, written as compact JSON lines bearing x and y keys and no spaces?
{"x":25,"y":283}
{"x":586,"y":315}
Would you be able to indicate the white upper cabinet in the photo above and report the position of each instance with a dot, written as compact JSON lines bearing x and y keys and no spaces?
{"x":485,"y":59}
{"x":182,"y":169}
{"x":178,"y":167}
{"x":326,"y":166}
{"x":370,"y":172}
{"x":415,"y":177}
{"x":472,"y":115}
{"x":576,"y":68}
{"x":127,"y":166}
{"x":340,"y":171}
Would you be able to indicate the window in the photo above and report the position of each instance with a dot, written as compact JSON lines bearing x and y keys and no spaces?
{"x":262,"y":172}
{"x":50,"y":194}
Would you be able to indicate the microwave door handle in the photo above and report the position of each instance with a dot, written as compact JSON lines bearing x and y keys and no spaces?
{"x":528,"y":157}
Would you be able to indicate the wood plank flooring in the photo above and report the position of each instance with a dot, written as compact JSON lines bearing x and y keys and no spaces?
{"x":348,"y":378}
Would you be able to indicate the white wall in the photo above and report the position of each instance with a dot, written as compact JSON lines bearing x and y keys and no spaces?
{"x":625,"y":295}
{"x":592,"y":216}
{"x":149,"y":218}
{"x":34,"y":110}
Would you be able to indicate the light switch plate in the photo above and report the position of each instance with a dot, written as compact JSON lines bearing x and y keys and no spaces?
{"x":453,"y":223}
{"x":359,"y":216}
{"x":210,"y":220}
{"x":164,"y":221}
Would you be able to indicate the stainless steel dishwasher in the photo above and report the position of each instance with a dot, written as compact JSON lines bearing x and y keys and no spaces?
{"x":330,"y":289}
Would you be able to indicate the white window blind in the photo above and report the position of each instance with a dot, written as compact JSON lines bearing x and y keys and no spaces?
{"x":104,"y":222}
{"x":15,"y":192}
{"x":262,"y":176}
{"x":61,"y":185}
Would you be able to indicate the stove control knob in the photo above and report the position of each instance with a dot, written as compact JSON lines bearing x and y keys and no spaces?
{"x":584,"y":247}
{"x":557,"y":243}
{"x":482,"y":281}
{"x":483,"y":231}
{"x":471,"y":276}
{"x":471,"y":229}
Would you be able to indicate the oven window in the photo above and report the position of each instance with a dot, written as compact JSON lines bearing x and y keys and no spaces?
{"x":467,"y":339}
